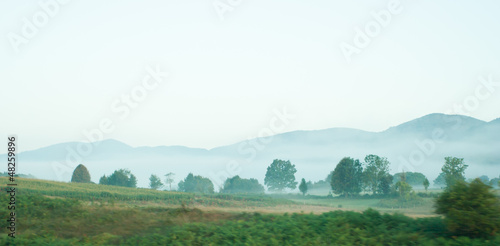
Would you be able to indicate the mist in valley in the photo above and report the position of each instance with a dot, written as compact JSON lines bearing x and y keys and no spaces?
{"x":418,"y":145}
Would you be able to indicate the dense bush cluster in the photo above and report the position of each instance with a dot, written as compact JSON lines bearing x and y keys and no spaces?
{"x":122,"y":177}
{"x":197,"y":184}
{"x":470,"y":209}
{"x":239,"y":185}
{"x":412,"y":178}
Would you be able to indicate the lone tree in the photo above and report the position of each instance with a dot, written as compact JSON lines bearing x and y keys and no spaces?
{"x":426,"y":184}
{"x":453,"y":170}
{"x":169,"y":179}
{"x":403,"y":187}
{"x":155,"y":182}
{"x":470,"y":209}
{"x":347,"y":177}
{"x":280,"y":175}
{"x":303,"y":187}
{"x":81,"y":175}
{"x":377,"y":169}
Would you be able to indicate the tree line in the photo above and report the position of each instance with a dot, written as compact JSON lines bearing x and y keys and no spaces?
{"x":349,"y":178}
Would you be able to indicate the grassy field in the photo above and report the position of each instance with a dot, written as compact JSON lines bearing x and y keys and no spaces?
{"x":364,"y":204}
{"x":94,"y":193}
{"x":130,"y":197}
{"x":57,"y":213}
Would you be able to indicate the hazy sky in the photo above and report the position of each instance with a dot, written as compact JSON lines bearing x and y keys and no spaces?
{"x":74,"y":62}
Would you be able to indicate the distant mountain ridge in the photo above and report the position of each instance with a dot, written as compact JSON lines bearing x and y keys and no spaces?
{"x":438,"y":121}
{"x":410,"y":145}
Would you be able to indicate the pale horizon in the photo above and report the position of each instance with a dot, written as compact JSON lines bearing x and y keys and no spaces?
{"x":195,"y":147}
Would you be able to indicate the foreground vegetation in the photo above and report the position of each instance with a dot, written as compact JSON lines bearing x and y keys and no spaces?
{"x":52,"y":221}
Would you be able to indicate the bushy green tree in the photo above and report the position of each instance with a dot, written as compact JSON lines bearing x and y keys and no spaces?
{"x":407,"y":197}
{"x":303,"y":187}
{"x":122,"y":177}
{"x":377,"y":168}
{"x":385,"y":184}
{"x":347,"y":177}
{"x":81,"y":175}
{"x":453,"y":169}
{"x":132,"y":181}
{"x":412,"y":178}
{"x":239,"y":185}
{"x":119,"y":178}
{"x":155,"y":182}
{"x":280,"y":175}
{"x":470,"y":209}
{"x":103,"y":180}
{"x":196,"y":184}
{"x":404,"y":189}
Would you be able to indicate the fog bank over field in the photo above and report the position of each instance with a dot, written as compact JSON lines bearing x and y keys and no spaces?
{"x":419,"y":145}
